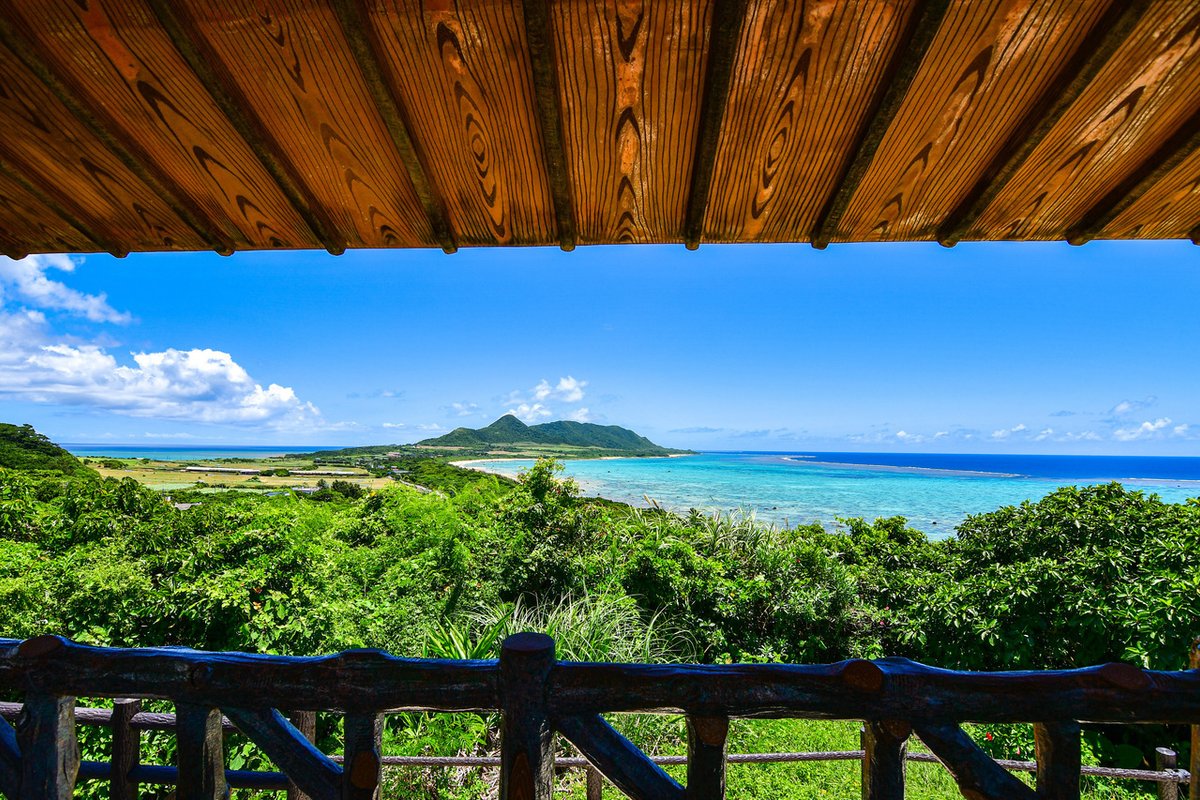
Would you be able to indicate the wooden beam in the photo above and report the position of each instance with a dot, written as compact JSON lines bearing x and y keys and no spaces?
{"x":629,"y":769}
{"x":539,"y":34}
{"x":1057,"y":750}
{"x":885,"y":752}
{"x":1108,"y":34}
{"x":207,"y":66}
{"x":305,"y":722}
{"x":1181,"y":144}
{"x":724,"y":35}
{"x":306,"y":766}
{"x":360,"y":34}
{"x":976,"y":774}
{"x":126,"y":150}
{"x":362,"y":776}
{"x":910,"y":51}
{"x":200,"y":753}
{"x":126,"y":749}
{"x":526,"y":738}
{"x":101,"y":243}
{"x":49,"y":748}
{"x":707,"y":751}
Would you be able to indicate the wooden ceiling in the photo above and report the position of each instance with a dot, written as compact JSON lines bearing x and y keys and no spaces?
{"x":143,"y":125}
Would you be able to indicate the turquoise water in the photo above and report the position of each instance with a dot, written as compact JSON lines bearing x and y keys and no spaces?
{"x":793,"y":489}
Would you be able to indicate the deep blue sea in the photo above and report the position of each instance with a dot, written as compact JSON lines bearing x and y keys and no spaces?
{"x":201,"y":453}
{"x":935,"y":492}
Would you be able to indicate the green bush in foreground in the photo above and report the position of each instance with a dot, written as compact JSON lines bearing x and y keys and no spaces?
{"x":1079,"y":577}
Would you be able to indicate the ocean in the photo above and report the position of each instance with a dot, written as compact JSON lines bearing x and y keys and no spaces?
{"x":195,"y":453}
{"x":934,"y":492}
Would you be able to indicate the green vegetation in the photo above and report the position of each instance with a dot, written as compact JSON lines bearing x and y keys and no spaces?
{"x":23,"y":448}
{"x":448,"y":569}
{"x":508,"y":437}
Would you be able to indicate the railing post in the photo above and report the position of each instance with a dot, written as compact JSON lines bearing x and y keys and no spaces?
{"x":49,"y":748}
{"x":595,"y":783}
{"x":126,"y":750}
{"x":306,"y":723}
{"x":200,"y":754}
{"x":885,"y":751}
{"x":1057,"y":752}
{"x":706,"y":757}
{"x":363,"y":753}
{"x":526,"y":738}
{"x":1194,"y":760}
{"x":1166,"y":759}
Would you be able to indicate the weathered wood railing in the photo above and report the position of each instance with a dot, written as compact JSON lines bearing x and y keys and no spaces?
{"x":538,"y":696}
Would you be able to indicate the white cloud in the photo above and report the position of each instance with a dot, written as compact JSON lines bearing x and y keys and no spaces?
{"x":912,"y":438}
{"x":1145,"y":430}
{"x":1005,"y":433}
{"x":1044,"y":434}
{"x":464,"y":409}
{"x":569,"y":390}
{"x":430,"y":426}
{"x":941,"y":434}
{"x":581,"y":415}
{"x":198,"y":385}
{"x":1180,"y":430}
{"x":1082,"y":436}
{"x":395,"y":425}
{"x":25,"y":281}
{"x":1128,"y":406}
{"x":530,"y":412}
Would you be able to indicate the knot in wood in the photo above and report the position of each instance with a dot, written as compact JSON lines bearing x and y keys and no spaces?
{"x":41,"y":646}
{"x":1124,"y":676}
{"x":863,"y":676}
{"x":199,"y":675}
{"x":711,"y":731}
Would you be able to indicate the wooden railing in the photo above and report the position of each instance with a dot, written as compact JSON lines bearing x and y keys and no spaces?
{"x":538,"y":696}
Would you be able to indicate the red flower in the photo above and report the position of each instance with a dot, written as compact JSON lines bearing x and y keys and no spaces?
{"x":988,"y":736}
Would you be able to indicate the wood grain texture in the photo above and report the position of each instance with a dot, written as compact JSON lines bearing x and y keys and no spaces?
{"x":126,"y":749}
{"x":805,"y":77}
{"x":885,"y":753}
{"x":990,"y":61}
{"x":29,"y":225}
{"x":463,"y":70}
{"x":526,"y":736}
{"x":362,"y":778}
{"x":49,"y":747}
{"x":55,"y":151}
{"x":708,"y":740}
{"x":1057,"y":749}
{"x":290,"y":62}
{"x":138,"y":86}
{"x":1168,"y":210}
{"x":201,"y":757}
{"x":630,"y":78}
{"x":1139,"y":100}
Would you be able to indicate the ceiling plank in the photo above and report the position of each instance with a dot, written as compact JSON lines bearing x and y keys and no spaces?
{"x":922,"y":28}
{"x":728,"y":17}
{"x":97,"y":242}
{"x":1183,"y":143}
{"x":357,"y":29}
{"x":539,"y":34}
{"x":202,"y":60}
{"x":1105,"y":37}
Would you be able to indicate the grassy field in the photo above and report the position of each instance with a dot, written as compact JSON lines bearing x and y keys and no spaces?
{"x":172,"y":475}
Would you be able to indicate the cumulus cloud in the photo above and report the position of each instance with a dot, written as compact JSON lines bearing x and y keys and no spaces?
{"x":530,"y":412}
{"x":535,"y":405}
{"x":1044,"y":434}
{"x":1005,"y":433}
{"x":1129,"y":406}
{"x":463,"y":409}
{"x":394,"y":425}
{"x":430,"y":426}
{"x":25,"y":282}
{"x":1146,"y":430}
{"x":1181,"y":430}
{"x":197,"y":385}
{"x":581,"y":415}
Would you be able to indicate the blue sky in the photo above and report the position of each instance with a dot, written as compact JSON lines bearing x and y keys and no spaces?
{"x":983,"y":348}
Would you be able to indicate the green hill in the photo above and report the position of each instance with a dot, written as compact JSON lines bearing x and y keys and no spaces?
{"x":508,"y":431}
{"x":22,"y":448}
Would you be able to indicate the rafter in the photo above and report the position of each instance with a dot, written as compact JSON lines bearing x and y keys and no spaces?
{"x":539,"y":34}
{"x":910,"y":51}
{"x":1108,"y":34}
{"x":726,"y":31}
{"x":203,"y":61}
